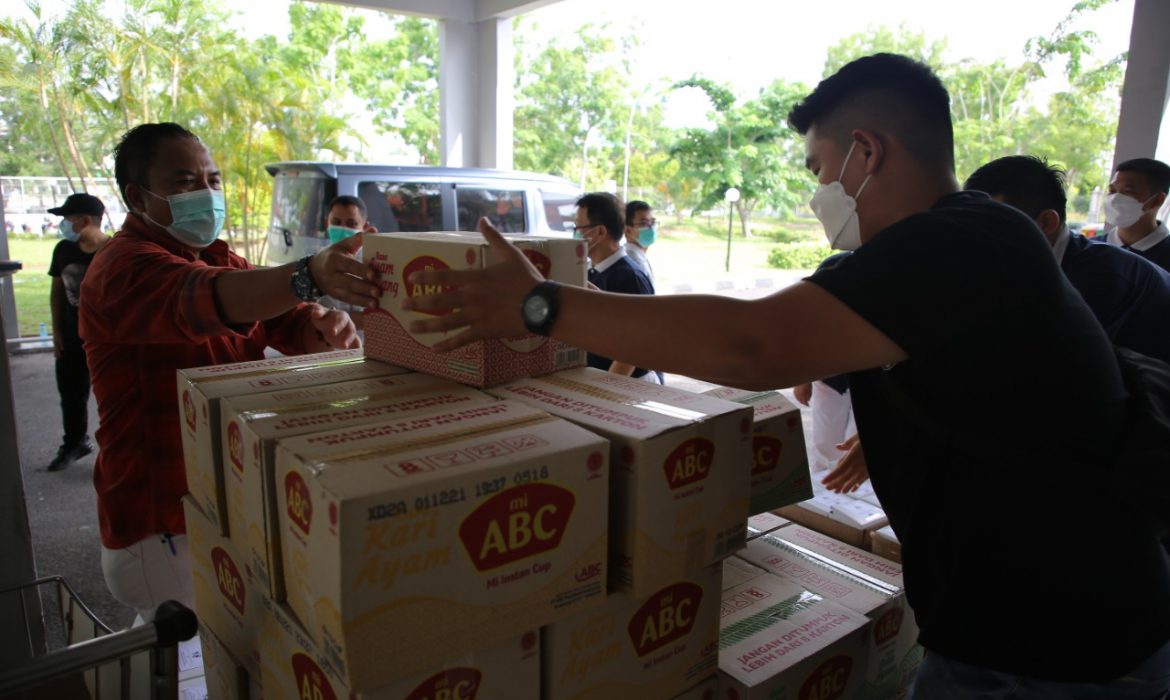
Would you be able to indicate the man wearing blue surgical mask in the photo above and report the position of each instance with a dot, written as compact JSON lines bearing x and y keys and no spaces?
{"x":641,"y":233}
{"x":165,"y":294}
{"x":1138,"y":190}
{"x":346,"y":217}
{"x":81,"y":229}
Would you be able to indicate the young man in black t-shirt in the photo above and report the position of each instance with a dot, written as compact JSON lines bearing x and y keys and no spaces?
{"x":81,"y":229}
{"x":974,"y":367}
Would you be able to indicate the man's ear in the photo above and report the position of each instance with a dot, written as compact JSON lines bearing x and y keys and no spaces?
{"x":1158,"y":200}
{"x":135,"y":197}
{"x":1049,"y":222}
{"x":872,"y":149}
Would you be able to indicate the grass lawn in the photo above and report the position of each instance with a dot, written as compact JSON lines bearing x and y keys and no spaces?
{"x":31,"y":285}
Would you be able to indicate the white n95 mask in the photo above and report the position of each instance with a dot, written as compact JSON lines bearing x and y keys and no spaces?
{"x":837,"y":211}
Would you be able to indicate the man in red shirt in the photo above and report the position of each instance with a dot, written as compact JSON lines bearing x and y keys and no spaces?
{"x":166,"y":294}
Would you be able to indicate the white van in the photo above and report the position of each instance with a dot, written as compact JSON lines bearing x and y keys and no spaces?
{"x":411,"y":198}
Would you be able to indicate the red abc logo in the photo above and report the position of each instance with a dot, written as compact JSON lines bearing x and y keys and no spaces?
{"x":188,"y":409}
{"x":235,"y":446}
{"x":310,"y":679}
{"x":452,"y":684}
{"x":766,"y":452}
{"x":515,"y":524}
{"x":539,"y":260}
{"x":887,"y":626}
{"x":827,"y":681}
{"x":300,"y":505}
{"x":227,"y":575}
{"x":689,"y":462}
{"x":666,"y":617}
{"x":420,"y":264}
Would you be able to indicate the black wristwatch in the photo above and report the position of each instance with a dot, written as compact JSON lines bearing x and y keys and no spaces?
{"x":539,"y":308}
{"x":303,"y":285}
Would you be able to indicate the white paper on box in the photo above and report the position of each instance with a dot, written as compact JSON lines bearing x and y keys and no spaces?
{"x":200,"y":390}
{"x":737,"y":571}
{"x":780,"y":640}
{"x":253,"y":424}
{"x":482,"y":363}
{"x":681,"y":462}
{"x":653,"y":647}
{"x":451,"y":529}
{"x":763,"y":523}
{"x":859,"y":514}
{"x":780,"y":474}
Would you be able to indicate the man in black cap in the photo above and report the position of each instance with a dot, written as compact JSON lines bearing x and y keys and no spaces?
{"x":81,"y":229}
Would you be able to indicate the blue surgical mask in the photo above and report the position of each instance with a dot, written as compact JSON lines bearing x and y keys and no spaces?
{"x":196,"y":217}
{"x":67,"y":232}
{"x":647,"y":236}
{"x":338,"y":234}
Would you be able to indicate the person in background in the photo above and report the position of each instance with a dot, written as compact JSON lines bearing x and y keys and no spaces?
{"x":81,"y":228}
{"x":166,"y":294}
{"x":1136,"y":193}
{"x":641,"y":233}
{"x":346,"y":216}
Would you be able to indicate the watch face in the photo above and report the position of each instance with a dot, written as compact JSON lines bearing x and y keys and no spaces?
{"x":536,"y":310}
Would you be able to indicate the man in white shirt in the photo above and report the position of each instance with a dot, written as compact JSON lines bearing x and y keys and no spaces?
{"x":1137,"y":192}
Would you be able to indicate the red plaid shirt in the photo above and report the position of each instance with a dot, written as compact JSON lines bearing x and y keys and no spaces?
{"x":147,"y":309}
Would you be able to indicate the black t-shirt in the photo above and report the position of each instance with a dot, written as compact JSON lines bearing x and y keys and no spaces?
{"x":623,"y":277}
{"x":69,"y":263}
{"x":1158,"y":254}
{"x":984,"y":445}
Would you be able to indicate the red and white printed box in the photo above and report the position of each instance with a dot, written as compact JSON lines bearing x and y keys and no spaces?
{"x":223,"y":676}
{"x":738,"y":571}
{"x":227,"y":600}
{"x":422,"y":538}
{"x":860,"y":581}
{"x":763,"y":523}
{"x":680,"y":463}
{"x":780,"y":473}
{"x":779,"y":640}
{"x":253,"y":424}
{"x":483,"y":363}
{"x":653,"y":647}
{"x":201,"y":389}
{"x":295,"y":667}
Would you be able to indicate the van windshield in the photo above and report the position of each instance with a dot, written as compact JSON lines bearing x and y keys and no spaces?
{"x":298,"y":202}
{"x":402,"y":206}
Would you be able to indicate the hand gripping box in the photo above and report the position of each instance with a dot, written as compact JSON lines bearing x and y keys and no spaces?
{"x":780,"y":473}
{"x":482,"y":363}
{"x":422,"y":538}
{"x":860,"y":581}
{"x":680,"y":463}
{"x":200,"y":390}
{"x":652,"y":647}
{"x":295,"y":667}
{"x":227,"y":600}
{"x":779,"y":640}
{"x":253,"y":424}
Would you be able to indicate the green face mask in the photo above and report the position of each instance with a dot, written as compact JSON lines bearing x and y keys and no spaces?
{"x":340,"y":233}
{"x":647,"y":236}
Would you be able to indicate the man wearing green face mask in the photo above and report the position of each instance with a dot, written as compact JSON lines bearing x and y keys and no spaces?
{"x":346,"y":216}
{"x":641,"y":232}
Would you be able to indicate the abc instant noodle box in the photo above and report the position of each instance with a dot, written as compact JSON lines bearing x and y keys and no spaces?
{"x":679,"y":476}
{"x":227,"y":600}
{"x":483,"y":363}
{"x":417,"y":539}
{"x":295,"y":668}
{"x":253,"y":424}
{"x":653,"y":647}
{"x":200,"y":390}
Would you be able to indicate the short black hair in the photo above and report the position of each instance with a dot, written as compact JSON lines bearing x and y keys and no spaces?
{"x":885,"y":92}
{"x":605,"y":209}
{"x":1027,"y":183}
{"x":135,"y":152}
{"x":348,"y":200}
{"x":632,"y":209}
{"x":1157,"y":173}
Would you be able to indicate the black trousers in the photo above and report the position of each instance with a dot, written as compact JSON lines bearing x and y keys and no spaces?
{"x":73,"y":385}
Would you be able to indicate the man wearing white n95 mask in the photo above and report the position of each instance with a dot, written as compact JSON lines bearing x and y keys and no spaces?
{"x":165,"y":294}
{"x":1137,"y":192}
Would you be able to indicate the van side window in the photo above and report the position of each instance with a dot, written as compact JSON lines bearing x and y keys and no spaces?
{"x":560,"y":209}
{"x":504,"y":208}
{"x":402,"y":206}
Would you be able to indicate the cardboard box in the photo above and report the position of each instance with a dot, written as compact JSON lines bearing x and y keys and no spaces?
{"x":227,"y":599}
{"x":200,"y":390}
{"x":295,"y":667}
{"x":763,"y":523}
{"x":838,"y":516}
{"x":884,"y":543}
{"x":860,"y":581}
{"x":707,"y":690}
{"x":779,"y":640}
{"x":408,"y":541}
{"x":653,"y":647}
{"x":780,"y":474}
{"x":253,"y":424}
{"x":223,"y":676}
{"x":482,"y":363}
{"x":738,"y":571}
{"x":680,"y":463}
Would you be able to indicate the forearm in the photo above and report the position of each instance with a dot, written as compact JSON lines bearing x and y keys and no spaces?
{"x":245,"y":296}
{"x":622,"y":368}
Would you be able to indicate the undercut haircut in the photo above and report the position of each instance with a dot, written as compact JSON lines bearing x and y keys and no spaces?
{"x":1027,"y":183}
{"x":135,"y":152}
{"x":887,"y":93}
{"x":1157,"y":173}
{"x":605,"y":209}
{"x":348,"y":200}
{"x":633,"y":208}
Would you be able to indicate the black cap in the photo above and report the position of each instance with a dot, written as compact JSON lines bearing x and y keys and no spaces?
{"x":80,"y":203}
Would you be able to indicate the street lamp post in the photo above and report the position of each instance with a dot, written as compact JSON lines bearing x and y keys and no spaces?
{"x":732,"y":196}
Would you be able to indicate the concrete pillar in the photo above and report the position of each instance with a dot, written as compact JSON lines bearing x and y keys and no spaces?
{"x":1146,"y":89}
{"x":475,"y":93}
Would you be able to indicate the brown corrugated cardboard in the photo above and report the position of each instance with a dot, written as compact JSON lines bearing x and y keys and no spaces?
{"x":780,"y":473}
{"x":838,"y":516}
{"x":449,"y":530}
{"x":763,"y":523}
{"x":679,"y":485}
{"x":653,"y":647}
{"x":738,"y":571}
{"x":884,"y":543}
{"x":200,"y":390}
{"x":484,"y":362}
{"x":253,"y":424}
{"x":223,"y":676}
